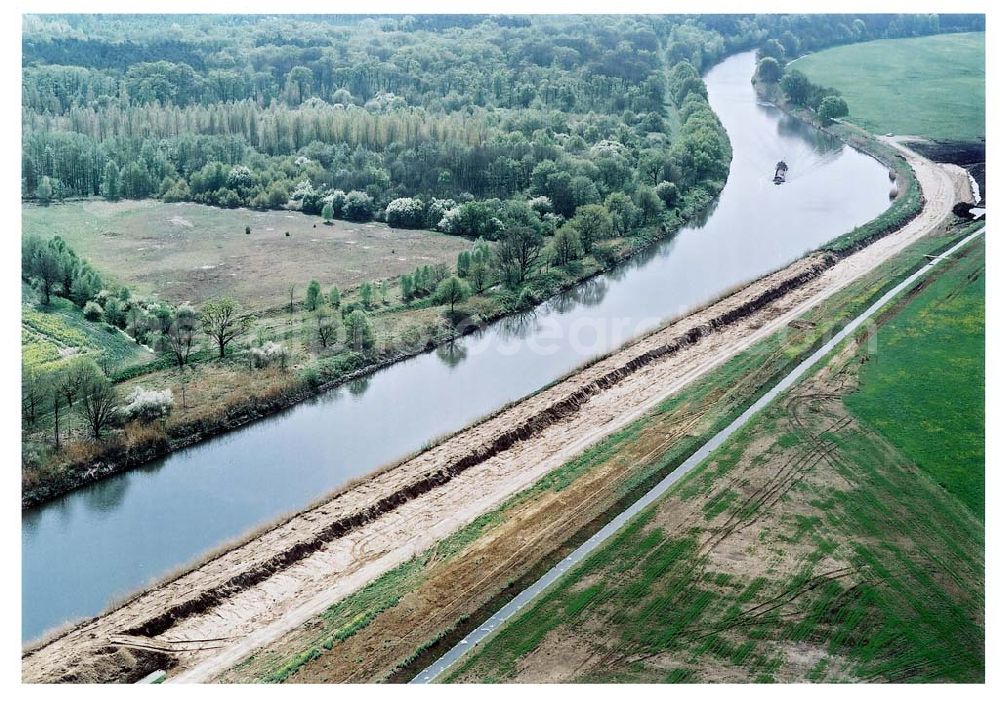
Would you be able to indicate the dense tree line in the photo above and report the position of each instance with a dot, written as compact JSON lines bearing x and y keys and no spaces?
{"x":249,"y":111}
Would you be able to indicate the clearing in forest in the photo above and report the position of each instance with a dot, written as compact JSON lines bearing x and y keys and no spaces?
{"x":184,"y":252}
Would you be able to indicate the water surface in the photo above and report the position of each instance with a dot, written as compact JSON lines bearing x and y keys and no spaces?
{"x":81,"y":551}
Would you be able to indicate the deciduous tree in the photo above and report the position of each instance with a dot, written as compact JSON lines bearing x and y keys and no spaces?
{"x":451,"y":291}
{"x":223,"y":322}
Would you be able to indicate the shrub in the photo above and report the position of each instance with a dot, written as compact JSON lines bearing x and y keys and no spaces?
{"x":405,"y":212}
{"x":358,"y":206}
{"x":267,"y":354}
{"x":526,"y":298}
{"x":310,"y":375}
{"x":605,"y":255}
{"x":93,"y":312}
{"x":436,"y":210}
{"x":336,"y":200}
{"x":148,"y":406}
{"x":139,"y":436}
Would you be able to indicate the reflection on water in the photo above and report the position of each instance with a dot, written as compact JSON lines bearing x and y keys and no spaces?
{"x":452,"y":352}
{"x":520,"y":325}
{"x":108,"y":539}
{"x":358,"y":386}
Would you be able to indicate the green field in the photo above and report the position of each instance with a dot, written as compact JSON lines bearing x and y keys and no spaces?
{"x":934,"y":86}
{"x":929,"y":399}
{"x":54,"y":333}
{"x":812,"y":546}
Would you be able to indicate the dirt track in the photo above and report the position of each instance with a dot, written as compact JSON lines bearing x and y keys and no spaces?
{"x":214,"y":616}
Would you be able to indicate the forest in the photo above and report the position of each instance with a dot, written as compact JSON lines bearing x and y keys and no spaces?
{"x":254,"y":111}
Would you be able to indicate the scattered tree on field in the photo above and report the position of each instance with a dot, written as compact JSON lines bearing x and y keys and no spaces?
{"x":180,"y":335}
{"x":326,"y":327}
{"x":313,"y":295}
{"x":223,"y":322}
{"x":365,"y":293}
{"x":463,"y":264}
{"x":100,"y":405}
{"x":832,"y":107}
{"x":33,"y":391}
{"x":359,"y":335}
{"x":451,"y":291}
{"x":479,"y":277}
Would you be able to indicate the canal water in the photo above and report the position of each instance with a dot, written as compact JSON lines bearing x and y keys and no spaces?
{"x":83,"y":550}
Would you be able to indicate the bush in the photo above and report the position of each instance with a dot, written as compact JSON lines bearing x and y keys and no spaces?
{"x":93,"y":312}
{"x":267,"y":354}
{"x":148,"y":406}
{"x":358,"y":206}
{"x":436,"y":210}
{"x":311,"y":377}
{"x":405,"y":212}
{"x":336,"y":199}
{"x":526,"y":298}
{"x":605,"y":255}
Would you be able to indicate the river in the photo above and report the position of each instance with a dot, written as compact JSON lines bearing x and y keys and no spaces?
{"x":83,"y":550}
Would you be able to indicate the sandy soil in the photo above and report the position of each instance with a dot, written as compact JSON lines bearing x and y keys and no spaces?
{"x":252,"y":595}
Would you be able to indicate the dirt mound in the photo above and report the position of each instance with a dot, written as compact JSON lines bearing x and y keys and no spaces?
{"x":970,"y":155}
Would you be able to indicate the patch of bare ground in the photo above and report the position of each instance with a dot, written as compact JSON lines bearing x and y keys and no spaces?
{"x":215,"y":616}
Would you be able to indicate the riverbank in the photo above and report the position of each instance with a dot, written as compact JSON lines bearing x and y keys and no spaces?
{"x":357,"y":524}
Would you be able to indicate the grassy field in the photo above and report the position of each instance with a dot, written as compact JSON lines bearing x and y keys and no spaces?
{"x":55,"y":333}
{"x":929,"y":86}
{"x":191,"y":253}
{"x":929,"y":400}
{"x":808,"y":548}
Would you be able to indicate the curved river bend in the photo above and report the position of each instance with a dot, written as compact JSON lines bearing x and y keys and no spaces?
{"x":81,"y":551}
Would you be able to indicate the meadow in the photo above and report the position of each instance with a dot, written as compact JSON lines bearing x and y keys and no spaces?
{"x":929,"y":400}
{"x":186,"y":252}
{"x":896,"y":85}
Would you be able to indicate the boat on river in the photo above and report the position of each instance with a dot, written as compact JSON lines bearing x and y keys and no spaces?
{"x":779,"y":172}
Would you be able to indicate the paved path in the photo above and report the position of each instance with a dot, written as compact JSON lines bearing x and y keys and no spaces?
{"x":527,"y":595}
